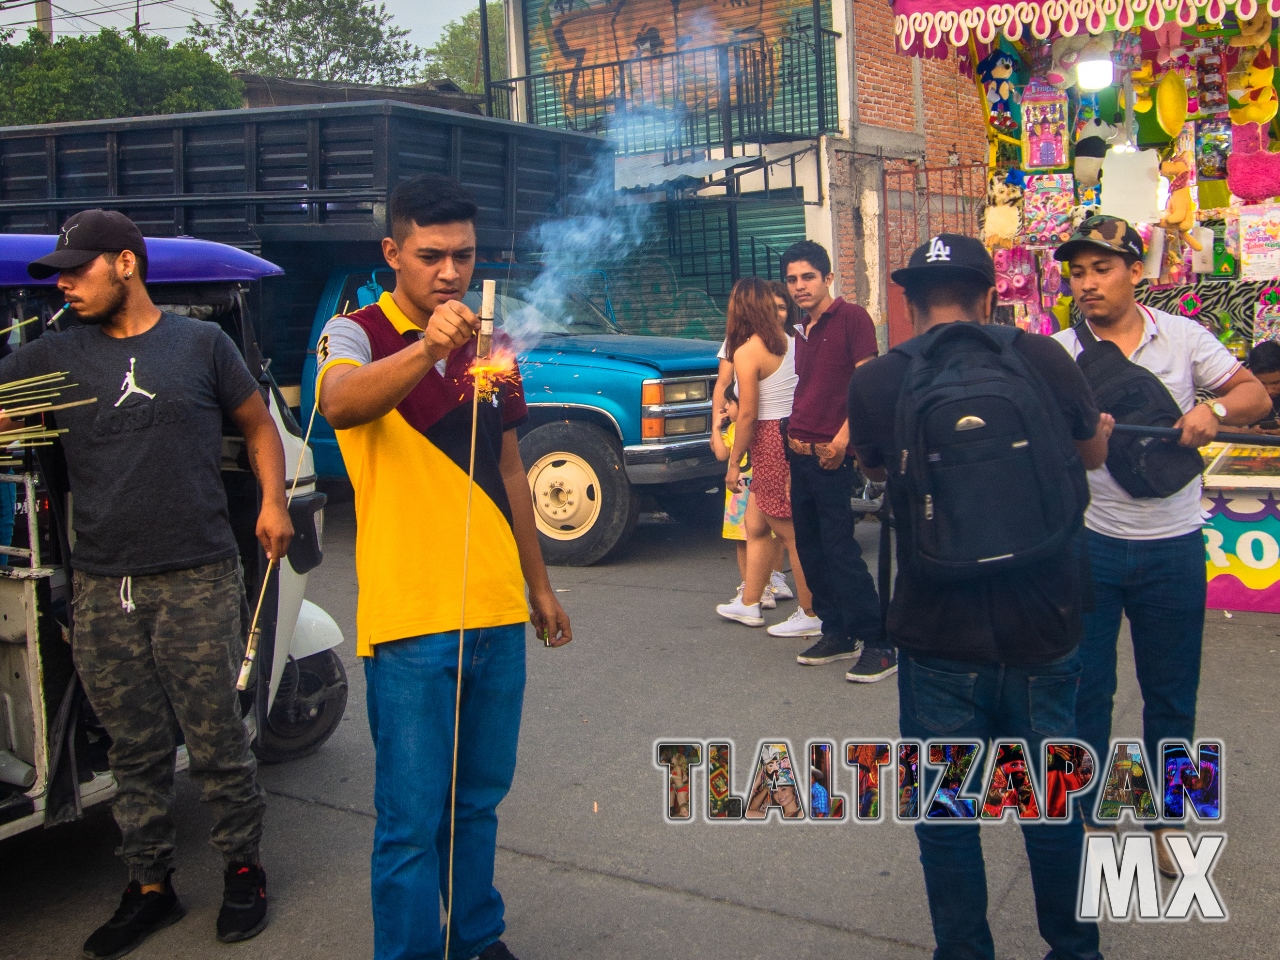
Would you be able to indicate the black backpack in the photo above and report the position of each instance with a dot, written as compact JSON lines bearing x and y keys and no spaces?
{"x":1143,"y":466}
{"x":991,"y":478}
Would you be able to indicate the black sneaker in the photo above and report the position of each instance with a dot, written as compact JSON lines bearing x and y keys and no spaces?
{"x":829,"y":649}
{"x":496,"y":951}
{"x":138,"y":916}
{"x":244,"y":902}
{"x":876,"y":663}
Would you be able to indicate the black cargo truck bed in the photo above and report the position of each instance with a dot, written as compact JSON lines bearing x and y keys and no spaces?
{"x":306,"y":187}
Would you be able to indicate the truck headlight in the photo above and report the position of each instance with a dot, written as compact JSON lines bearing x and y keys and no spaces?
{"x":684,"y":426}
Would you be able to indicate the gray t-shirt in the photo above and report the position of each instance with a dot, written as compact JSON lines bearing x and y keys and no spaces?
{"x":145,"y":460}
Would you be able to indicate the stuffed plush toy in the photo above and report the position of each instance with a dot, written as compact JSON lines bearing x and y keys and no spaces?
{"x":1256,"y":31}
{"x":1066,"y":54}
{"x":1002,"y":217}
{"x":1169,"y":37}
{"x":996,"y":73}
{"x":1253,"y":174}
{"x":1179,"y":212}
{"x":1094,"y":140}
{"x":1142,"y":79}
{"x":1258,"y":100}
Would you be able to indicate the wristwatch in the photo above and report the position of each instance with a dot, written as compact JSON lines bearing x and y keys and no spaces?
{"x":1217,"y":408}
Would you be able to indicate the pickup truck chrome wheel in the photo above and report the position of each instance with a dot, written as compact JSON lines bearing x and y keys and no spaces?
{"x":583,"y":503}
{"x":566,"y":495}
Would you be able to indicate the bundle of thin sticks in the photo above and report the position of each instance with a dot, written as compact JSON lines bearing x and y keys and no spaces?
{"x":28,"y":398}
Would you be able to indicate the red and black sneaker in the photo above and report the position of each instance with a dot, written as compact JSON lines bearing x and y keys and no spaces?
{"x":244,"y":902}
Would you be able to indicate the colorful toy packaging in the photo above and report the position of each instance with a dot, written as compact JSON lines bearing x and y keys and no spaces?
{"x":1047,"y":209}
{"x":1045,"y":137}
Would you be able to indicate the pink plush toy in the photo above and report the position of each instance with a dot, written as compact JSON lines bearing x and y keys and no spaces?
{"x":1169,"y":36}
{"x":1253,"y":174}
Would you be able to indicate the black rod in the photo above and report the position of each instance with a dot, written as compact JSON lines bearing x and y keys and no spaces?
{"x":1172,"y":433}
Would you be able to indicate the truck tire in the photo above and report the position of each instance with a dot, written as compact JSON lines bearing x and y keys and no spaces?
{"x":309,"y":705}
{"x":583,"y":503}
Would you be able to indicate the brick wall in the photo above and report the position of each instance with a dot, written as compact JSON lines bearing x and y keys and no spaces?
{"x":888,"y":96}
{"x":953,"y":114}
{"x":883,"y":78}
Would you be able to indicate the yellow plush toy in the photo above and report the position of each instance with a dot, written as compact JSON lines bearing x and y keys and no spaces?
{"x":1179,"y":212}
{"x":1143,"y":78}
{"x":1256,"y":31}
{"x":1258,"y":101}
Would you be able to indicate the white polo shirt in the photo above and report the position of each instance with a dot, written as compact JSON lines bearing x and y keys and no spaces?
{"x":1186,"y":357}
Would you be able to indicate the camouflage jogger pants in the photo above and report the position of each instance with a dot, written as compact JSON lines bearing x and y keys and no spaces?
{"x":171,"y":658}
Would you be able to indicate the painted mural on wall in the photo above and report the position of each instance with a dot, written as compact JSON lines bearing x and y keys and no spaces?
{"x":573,"y":38}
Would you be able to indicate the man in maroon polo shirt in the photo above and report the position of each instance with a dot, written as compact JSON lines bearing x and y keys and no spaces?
{"x":837,"y":337}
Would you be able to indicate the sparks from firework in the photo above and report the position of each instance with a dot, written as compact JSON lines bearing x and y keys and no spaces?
{"x":500,"y":368}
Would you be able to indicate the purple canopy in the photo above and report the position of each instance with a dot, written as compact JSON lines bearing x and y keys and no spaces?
{"x":169,"y":260}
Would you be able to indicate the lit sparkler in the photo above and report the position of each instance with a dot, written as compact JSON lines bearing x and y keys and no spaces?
{"x":489,"y":376}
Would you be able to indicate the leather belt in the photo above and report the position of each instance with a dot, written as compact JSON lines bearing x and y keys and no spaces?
{"x":802,"y":448}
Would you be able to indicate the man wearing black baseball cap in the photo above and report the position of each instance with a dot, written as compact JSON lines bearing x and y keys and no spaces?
{"x":157,"y":583}
{"x":980,"y":657}
{"x":1146,"y":554}
{"x":88,"y":235}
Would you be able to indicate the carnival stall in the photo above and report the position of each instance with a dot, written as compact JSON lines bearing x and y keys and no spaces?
{"x":1163,"y":112}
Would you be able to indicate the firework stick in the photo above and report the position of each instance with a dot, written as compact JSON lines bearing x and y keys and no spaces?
{"x":251,"y":646}
{"x":21,"y":323}
{"x":484,"y":340}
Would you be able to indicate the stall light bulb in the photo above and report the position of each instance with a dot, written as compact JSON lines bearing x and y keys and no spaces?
{"x":1095,"y":74}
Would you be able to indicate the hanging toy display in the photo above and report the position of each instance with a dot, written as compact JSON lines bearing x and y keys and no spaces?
{"x":1159,"y":112}
{"x":1047,"y":209}
{"x":996,"y":74}
{"x":1092,"y":143}
{"x":1180,"y":212}
{"x":1002,"y":217}
{"x":1045,"y":143}
{"x":1253,"y":173}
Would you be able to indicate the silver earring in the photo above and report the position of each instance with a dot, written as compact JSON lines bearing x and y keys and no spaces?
{"x":128,"y":275}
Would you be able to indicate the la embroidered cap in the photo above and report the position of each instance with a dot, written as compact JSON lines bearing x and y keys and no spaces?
{"x":1108,"y":233}
{"x":87,"y":235}
{"x":947,"y":256}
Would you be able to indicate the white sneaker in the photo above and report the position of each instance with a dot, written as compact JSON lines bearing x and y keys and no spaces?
{"x":767,"y":600}
{"x":748,"y":614}
{"x":778,"y":586}
{"x":799,"y":624}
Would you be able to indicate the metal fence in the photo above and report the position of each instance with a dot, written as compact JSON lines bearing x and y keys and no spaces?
{"x":921,"y":202}
{"x":686,"y":101}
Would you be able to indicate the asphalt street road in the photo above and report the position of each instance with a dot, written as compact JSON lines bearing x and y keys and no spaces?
{"x":587,"y":865}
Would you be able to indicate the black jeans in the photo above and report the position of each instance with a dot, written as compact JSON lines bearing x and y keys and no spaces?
{"x":844,"y":594}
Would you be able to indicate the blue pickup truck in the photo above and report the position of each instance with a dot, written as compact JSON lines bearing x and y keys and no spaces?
{"x":611,"y":417}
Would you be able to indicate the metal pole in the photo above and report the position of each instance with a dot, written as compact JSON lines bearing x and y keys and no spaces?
{"x":484,"y":57}
{"x":731,"y":184}
{"x":819,"y":67}
{"x":44,"y":17}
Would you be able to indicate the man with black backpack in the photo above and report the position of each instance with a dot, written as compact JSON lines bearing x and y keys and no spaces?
{"x":985,"y":434}
{"x":1143,"y":524}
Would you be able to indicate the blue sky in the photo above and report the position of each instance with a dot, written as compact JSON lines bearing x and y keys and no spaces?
{"x":170,"y":17}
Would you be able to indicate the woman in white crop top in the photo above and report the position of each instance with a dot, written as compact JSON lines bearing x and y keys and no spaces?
{"x":763,"y":357}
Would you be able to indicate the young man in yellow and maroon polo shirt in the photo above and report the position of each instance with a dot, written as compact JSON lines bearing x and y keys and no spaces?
{"x":832,"y":341}
{"x":394,"y":382}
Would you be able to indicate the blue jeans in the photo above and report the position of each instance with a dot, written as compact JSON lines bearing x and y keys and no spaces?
{"x":411,"y":694}
{"x":1160,"y":585}
{"x":955,"y":699}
